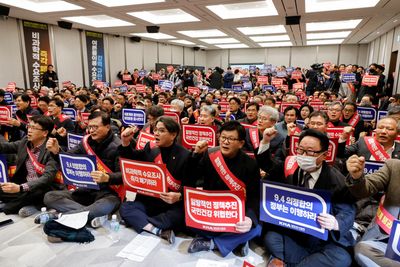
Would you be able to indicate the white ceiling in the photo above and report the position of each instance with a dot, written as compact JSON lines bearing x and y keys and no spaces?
{"x":375,"y":20}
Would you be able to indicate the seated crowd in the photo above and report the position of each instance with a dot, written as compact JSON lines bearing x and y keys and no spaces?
{"x":254,"y":142}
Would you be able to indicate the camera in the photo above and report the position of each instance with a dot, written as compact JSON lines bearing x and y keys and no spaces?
{"x":317,"y":66}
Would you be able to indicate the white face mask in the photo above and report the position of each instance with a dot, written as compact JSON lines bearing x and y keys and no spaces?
{"x":307,"y":163}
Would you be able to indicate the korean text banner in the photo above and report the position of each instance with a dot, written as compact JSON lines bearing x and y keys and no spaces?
{"x":37,"y":47}
{"x":393,"y":247}
{"x":76,"y":170}
{"x":95,"y":54}
{"x":215,"y":211}
{"x":294,"y":208}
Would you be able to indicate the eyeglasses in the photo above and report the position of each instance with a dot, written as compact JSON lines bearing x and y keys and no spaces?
{"x":156,"y":130}
{"x":34,"y":128}
{"x":310,"y":153}
{"x":229,"y":139}
{"x":92,"y":127}
{"x":348,"y":110}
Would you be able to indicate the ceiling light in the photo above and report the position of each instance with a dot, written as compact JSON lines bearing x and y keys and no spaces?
{"x":182,"y":42}
{"x":203,"y":33}
{"x":332,"y":5}
{"x":245,"y":10}
{"x":232,"y":46}
{"x":275,"y":44}
{"x":164,"y":16}
{"x":332,"y":25}
{"x":325,"y":42}
{"x":262,"y":30}
{"x":99,"y":21}
{"x":327,"y":35}
{"x":157,"y":36}
{"x":114,"y":3}
{"x":270,"y":38}
{"x":220,"y":41}
{"x":42,"y":6}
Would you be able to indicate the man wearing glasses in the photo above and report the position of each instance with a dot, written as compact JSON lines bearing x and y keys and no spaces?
{"x":35,"y":171}
{"x":102,"y":143}
{"x":311,"y":171}
{"x":334,"y":114}
{"x":246,"y":175}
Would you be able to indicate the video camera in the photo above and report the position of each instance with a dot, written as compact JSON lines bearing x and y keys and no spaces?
{"x":317,"y":67}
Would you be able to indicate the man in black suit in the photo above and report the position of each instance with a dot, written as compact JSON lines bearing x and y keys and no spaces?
{"x":311,"y":171}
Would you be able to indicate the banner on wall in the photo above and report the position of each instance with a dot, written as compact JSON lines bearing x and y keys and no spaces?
{"x":95,"y":54}
{"x":37,"y":48}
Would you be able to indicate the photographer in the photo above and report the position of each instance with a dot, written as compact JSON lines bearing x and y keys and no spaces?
{"x":315,"y":79}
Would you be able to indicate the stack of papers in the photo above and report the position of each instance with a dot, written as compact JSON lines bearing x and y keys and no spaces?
{"x":139,"y":248}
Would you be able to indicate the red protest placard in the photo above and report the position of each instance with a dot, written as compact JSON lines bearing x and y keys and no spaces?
{"x":155,"y":77}
{"x":296,"y":75}
{"x":66,"y":83}
{"x":332,"y":149}
{"x":174,"y":115}
{"x":193,"y":90}
{"x":317,"y":105}
{"x":98,"y":84}
{"x":118,"y":83}
{"x":85,"y":117}
{"x":277,"y":82}
{"x":215,"y":211}
{"x":370,"y":80}
{"x":262,"y":80}
{"x":140,"y":88}
{"x":126,"y":77}
{"x":34,"y":102}
{"x":284,"y":105}
{"x":285,"y":87}
{"x":145,"y":178}
{"x":170,"y":68}
{"x":143,"y":139}
{"x":11,"y":87}
{"x":191,"y":134}
{"x":247,"y":264}
{"x":5,"y":114}
{"x":224,"y":106}
{"x":298,"y":86}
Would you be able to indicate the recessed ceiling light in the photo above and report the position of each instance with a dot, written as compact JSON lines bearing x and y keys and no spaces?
{"x":157,"y":36}
{"x":270,"y":38}
{"x":327,"y":35}
{"x":244,"y":10}
{"x":262,"y":30}
{"x":164,"y":16}
{"x":275,"y":44}
{"x":332,"y":25}
{"x":182,"y":42}
{"x":202,"y":46}
{"x":203,"y":33}
{"x":220,"y":41}
{"x":325,"y":42}
{"x":42,"y":6}
{"x":99,"y":21}
{"x":114,"y":3}
{"x":332,"y":5}
{"x":232,"y":46}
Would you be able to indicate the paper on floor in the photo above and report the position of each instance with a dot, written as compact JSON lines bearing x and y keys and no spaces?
{"x":139,"y":248}
{"x":75,"y":220}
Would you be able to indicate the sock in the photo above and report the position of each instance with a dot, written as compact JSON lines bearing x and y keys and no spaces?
{"x":212,"y":245}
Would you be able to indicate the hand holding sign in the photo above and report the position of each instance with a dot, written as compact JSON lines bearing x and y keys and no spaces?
{"x":53,"y":146}
{"x":355,"y":166}
{"x":127,"y":135}
{"x":100,"y":177}
{"x":328,"y":221}
{"x":244,"y":226}
{"x":268,"y":135}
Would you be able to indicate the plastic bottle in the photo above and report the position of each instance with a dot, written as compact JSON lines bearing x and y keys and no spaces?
{"x":44,"y":216}
{"x":114,"y":228}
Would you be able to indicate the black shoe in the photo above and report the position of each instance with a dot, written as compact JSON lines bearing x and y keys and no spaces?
{"x":52,"y":216}
{"x":168,"y":235}
{"x":242,"y":250}
{"x":199,"y":244}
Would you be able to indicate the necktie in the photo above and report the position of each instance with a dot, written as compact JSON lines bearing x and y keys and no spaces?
{"x":306,"y":178}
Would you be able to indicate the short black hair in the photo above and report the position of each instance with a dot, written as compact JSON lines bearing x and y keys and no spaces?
{"x":354,"y":105}
{"x":234,"y":126}
{"x":171,"y":125}
{"x":2,"y":92}
{"x":322,"y":137}
{"x":83,"y":98}
{"x":44,"y":99}
{"x":25,"y":98}
{"x":308,"y":106}
{"x":289,"y":108}
{"x":237,"y":100}
{"x":105,"y":117}
{"x":45,"y":122}
{"x":109,"y":99}
{"x":270,"y":98}
{"x":253,"y":104}
{"x":155,"y":111}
